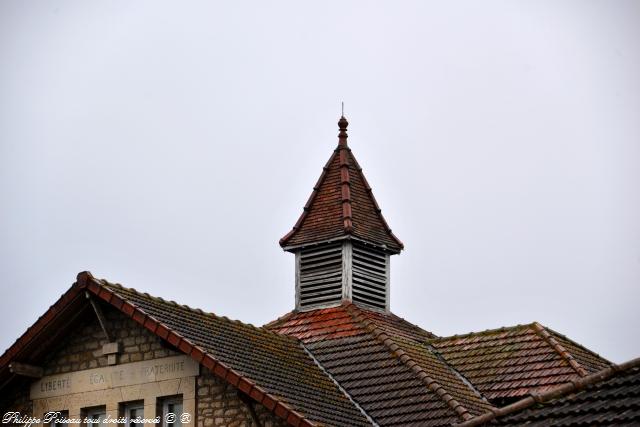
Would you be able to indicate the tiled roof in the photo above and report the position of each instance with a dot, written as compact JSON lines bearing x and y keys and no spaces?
{"x":382,"y":362}
{"x":273,"y":369}
{"x":610,"y":397}
{"x":508,"y":363}
{"x":341,"y":204}
{"x":381,"y":384}
{"x":337,"y":322}
{"x":346,"y":365}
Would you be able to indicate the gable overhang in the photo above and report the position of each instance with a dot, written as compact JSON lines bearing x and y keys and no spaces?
{"x":384,"y":248}
{"x":49,"y":327}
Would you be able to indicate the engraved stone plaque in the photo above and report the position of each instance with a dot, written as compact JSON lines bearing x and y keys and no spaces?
{"x":126,"y":374}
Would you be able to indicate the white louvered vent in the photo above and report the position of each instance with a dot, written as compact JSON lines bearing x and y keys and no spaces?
{"x":370,"y":276}
{"x":320,"y":276}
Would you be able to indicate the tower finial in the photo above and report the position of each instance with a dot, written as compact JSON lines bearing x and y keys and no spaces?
{"x":342,"y":125}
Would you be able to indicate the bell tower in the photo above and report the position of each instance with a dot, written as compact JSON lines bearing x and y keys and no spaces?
{"x":341,"y":242}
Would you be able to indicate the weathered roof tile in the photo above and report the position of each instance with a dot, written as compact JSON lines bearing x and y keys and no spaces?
{"x":341,"y":204}
{"x":609,"y":397}
{"x":508,"y":363}
{"x":274,"y":368}
{"x":382,"y":361}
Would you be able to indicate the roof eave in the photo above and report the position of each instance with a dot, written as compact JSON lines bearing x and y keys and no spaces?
{"x":385,"y":248}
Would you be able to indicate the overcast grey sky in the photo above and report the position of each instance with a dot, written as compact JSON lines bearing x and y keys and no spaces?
{"x":168,"y":146}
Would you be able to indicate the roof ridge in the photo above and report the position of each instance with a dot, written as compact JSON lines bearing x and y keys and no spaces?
{"x":559,"y":348}
{"x":338,"y":385}
{"x":554,"y":393}
{"x":199,"y":354}
{"x":345,"y":187}
{"x":282,"y":318}
{"x":409,"y":324}
{"x":406,"y":360}
{"x":484,"y":332}
{"x":186,"y":307}
{"x":563,"y":336}
{"x":456,"y":372}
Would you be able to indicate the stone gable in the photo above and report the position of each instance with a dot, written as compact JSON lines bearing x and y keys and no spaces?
{"x":212,"y":401}
{"x":82,"y":348}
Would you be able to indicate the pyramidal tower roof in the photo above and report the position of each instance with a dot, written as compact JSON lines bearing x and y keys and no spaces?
{"x":342,"y":205}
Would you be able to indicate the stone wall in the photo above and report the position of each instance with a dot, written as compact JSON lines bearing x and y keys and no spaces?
{"x":219,"y":405}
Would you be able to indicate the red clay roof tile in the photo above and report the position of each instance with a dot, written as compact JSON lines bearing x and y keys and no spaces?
{"x":609,"y":397}
{"x":342,"y":204}
{"x":381,"y":361}
{"x":508,"y":363}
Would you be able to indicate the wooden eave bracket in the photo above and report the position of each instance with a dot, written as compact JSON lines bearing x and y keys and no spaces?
{"x":26,"y":370}
{"x":99,"y":315}
{"x":112,"y":348}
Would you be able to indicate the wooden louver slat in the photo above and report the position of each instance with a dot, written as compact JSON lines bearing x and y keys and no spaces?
{"x":369,"y":276}
{"x":320,"y":277}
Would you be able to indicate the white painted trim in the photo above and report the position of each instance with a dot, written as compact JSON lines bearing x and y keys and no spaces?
{"x":383,"y":248}
{"x":347,"y":270}
{"x":319,"y":306}
{"x":297,"y":275}
{"x":388,"y":299}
